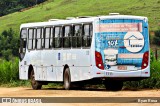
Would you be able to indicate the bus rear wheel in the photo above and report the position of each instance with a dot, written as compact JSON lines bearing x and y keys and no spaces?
{"x":113,"y":85}
{"x":67,"y":79}
{"x":35,"y":84}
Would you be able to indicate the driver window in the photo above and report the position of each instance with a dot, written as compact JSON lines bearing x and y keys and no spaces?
{"x":23,"y":42}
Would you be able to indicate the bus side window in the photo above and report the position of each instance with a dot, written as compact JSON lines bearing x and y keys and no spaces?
{"x":47,"y":36}
{"x":30,"y":39}
{"x":58,"y":37}
{"x":87,"y":35}
{"x":38,"y":38}
{"x":51,"y":39}
{"x":42,"y":38}
{"x":77,"y":36}
{"x":34,"y":38}
{"x":67,"y":37}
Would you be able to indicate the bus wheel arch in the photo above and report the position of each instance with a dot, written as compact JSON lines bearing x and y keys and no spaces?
{"x":66,"y":77}
{"x":30,"y":70}
{"x":31,"y":75}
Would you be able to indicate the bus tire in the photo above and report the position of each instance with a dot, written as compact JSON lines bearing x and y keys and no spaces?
{"x":113,"y":85}
{"x":67,"y":79}
{"x":35,"y":84}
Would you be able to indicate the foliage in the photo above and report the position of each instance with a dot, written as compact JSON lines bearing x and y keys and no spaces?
{"x":152,"y":57}
{"x":157,"y":37}
{"x":10,"y":75}
{"x":9,"y":71}
{"x":10,"y":6}
{"x":16,"y":83}
{"x":8,"y":44}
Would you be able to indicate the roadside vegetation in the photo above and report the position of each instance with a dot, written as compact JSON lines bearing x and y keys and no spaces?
{"x":9,"y":44}
{"x":9,"y":73}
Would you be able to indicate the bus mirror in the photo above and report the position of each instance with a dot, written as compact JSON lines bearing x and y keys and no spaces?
{"x":19,"y":50}
{"x":24,"y":50}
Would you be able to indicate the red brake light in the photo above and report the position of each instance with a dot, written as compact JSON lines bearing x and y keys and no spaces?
{"x":145,"y":60}
{"x":99,"y":61}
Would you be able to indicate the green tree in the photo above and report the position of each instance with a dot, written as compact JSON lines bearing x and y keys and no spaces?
{"x":157,"y":37}
{"x":10,"y":6}
{"x":9,"y":44}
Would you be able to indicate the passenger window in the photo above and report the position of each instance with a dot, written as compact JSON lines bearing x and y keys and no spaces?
{"x":47,"y":36}
{"x":39,"y":41}
{"x":34,"y":38}
{"x":58,"y":37}
{"x":42,"y":37}
{"x":67,"y":37}
{"x":30,"y":39}
{"x":87,"y":35}
{"x":51,"y":38}
{"x":77,"y":36}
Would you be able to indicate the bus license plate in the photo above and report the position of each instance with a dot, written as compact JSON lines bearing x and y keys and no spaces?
{"x":122,"y":67}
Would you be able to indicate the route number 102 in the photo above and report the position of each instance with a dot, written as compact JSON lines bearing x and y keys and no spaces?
{"x":112,"y":42}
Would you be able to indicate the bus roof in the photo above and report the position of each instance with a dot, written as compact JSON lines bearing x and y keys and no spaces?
{"x":80,"y":20}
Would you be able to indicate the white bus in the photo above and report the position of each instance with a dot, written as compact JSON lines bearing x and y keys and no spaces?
{"x":112,"y":48}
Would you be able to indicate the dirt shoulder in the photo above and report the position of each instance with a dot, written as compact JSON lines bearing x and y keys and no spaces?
{"x":53,"y":92}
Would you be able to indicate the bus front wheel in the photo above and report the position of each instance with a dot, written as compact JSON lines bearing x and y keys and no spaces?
{"x":113,"y":85}
{"x":35,"y":84}
{"x":67,"y":79}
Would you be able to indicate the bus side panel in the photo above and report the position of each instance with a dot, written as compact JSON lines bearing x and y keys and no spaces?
{"x":48,"y":63}
{"x":51,"y":74}
{"x":59,"y":73}
{"x":23,"y":72}
{"x":24,"y":67}
{"x":80,"y":65}
{"x":33,"y":58}
{"x":78,"y":61}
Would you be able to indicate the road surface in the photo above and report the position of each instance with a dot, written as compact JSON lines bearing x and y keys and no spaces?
{"x":54,"y":92}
